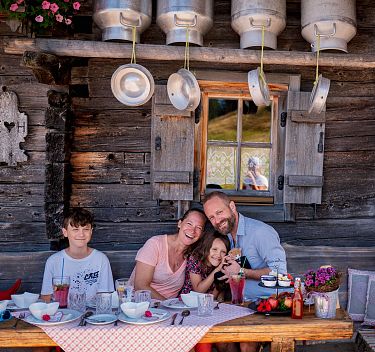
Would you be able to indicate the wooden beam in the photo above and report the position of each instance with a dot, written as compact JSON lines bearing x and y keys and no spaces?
{"x":80,"y":48}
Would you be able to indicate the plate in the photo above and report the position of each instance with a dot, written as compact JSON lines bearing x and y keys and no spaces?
{"x":101,"y":319}
{"x":254,"y":306}
{"x":69,"y":315}
{"x":175,"y":303}
{"x":158,"y":315}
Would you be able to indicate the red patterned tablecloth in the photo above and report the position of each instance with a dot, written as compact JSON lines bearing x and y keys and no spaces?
{"x":135,"y":338}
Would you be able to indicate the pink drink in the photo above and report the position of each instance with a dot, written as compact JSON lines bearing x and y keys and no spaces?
{"x":237,"y":288}
{"x":60,"y":294}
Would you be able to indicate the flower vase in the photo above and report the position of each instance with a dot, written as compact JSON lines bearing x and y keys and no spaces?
{"x":325,"y":304}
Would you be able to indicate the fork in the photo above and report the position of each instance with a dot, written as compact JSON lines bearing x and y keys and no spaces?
{"x":20,"y":317}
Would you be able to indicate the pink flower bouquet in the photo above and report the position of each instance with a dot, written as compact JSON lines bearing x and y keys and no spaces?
{"x":325,"y":279}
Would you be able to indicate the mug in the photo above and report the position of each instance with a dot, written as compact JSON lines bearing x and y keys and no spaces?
{"x":205,"y":304}
{"x":77,"y":300}
{"x":142,"y":296}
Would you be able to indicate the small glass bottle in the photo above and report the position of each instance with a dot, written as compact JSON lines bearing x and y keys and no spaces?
{"x":297,"y":300}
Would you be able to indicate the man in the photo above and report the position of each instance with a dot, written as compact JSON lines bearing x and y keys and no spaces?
{"x":259,"y":242}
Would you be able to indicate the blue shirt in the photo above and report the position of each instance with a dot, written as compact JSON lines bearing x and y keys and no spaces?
{"x":260,"y":243}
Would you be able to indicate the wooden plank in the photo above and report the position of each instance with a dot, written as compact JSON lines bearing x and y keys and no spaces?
{"x":35,"y":139}
{"x":171,"y":176}
{"x":27,"y":214}
{"x":304,"y":116}
{"x":22,"y":195}
{"x":329,"y":232}
{"x":111,"y":195}
{"x":304,"y":181}
{"x":110,"y":167}
{"x":81,"y":48}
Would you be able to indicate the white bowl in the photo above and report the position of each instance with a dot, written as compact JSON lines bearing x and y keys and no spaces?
{"x":134,"y":310}
{"x":3,"y":305}
{"x":284,"y":283}
{"x":24,"y":300}
{"x":269,"y":283}
{"x":190,"y":299}
{"x":40,"y":308}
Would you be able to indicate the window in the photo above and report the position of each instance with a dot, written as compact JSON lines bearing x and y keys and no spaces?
{"x":239,"y":144}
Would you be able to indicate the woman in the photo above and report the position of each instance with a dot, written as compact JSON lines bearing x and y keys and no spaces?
{"x":161,"y":262}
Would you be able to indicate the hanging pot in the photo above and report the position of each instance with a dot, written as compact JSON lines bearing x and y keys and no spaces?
{"x":132,"y":84}
{"x":258,"y":88}
{"x":319,"y":95}
{"x":183,"y":90}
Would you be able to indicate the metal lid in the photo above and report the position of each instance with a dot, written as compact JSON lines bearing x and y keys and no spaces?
{"x":258,"y":88}
{"x":183,"y":90}
{"x":318,"y":96}
{"x":132,"y":84}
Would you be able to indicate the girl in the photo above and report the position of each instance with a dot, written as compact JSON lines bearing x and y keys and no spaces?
{"x":206,"y":260}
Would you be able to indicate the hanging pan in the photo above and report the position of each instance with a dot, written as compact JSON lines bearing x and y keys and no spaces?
{"x":183,"y":90}
{"x":258,"y":87}
{"x":182,"y":86}
{"x":132,"y":84}
{"x":318,"y":96}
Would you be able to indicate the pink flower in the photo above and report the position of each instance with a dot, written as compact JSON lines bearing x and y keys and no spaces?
{"x":45,"y":5}
{"x":59,"y":18}
{"x":39,"y":18}
{"x":13,"y":7}
{"x":68,"y":21}
{"x":54,"y":8}
{"x":19,"y":2}
{"x":66,"y":0}
{"x":76,"y":5}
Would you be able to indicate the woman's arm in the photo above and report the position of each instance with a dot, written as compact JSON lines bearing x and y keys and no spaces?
{"x":144,"y":274}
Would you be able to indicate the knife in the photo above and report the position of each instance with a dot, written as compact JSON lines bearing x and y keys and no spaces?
{"x":174,"y":316}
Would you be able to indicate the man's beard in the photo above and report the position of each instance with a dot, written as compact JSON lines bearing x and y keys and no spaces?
{"x":230,"y":223}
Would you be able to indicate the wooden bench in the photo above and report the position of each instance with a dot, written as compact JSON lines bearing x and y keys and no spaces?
{"x":365,"y":340}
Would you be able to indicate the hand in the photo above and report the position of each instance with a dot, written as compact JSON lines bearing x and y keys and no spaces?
{"x":232,"y":268}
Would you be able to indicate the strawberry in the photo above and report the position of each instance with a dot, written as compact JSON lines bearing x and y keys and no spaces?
{"x":46,"y":317}
{"x":148,"y":314}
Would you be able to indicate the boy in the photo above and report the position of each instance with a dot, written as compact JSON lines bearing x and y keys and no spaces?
{"x":88,"y":268}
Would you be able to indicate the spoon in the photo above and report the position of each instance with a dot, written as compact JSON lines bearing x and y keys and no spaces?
{"x":184,"y":314}
{"x":84,"y":316}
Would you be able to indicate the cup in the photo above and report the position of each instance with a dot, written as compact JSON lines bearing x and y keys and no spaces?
{"x":142,"y":296}
{"x":205,"y":304}
{"x":103,"y":303}
{"x":237,"y":288}
{"x":124,"y":290}
{"x":61,"y":286}
{"x":77,"y":300}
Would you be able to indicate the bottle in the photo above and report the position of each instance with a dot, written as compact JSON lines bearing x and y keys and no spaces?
{"x":297,"y":300}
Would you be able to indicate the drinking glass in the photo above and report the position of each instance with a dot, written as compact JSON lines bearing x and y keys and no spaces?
{"x":142,"y":296}
{"x":124,"y":290}
{"x":103,"y":303}
{"x":61,"y":286}
{"x":205,"y":304}
{"x":237,"y":288}
{"x":77,"y":300}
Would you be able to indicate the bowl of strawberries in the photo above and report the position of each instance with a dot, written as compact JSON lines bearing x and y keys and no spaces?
{"x":280,"y":305}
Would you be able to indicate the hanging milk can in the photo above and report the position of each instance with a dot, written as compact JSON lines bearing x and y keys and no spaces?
{"x":116,"y":18}
{"x":333,"y":20}
{"x":173,"y":16}
{"x":249,"y":17}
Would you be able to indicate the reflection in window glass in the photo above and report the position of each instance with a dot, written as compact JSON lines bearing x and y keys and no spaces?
{"x":222,"y":120}
{"x":256,"y":123}
{"x":221,"y":167}
{"x":255,"y":169}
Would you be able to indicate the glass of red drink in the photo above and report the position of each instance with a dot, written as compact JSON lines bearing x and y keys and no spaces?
{"x":60,"y":286}
{"x":237,"y":288}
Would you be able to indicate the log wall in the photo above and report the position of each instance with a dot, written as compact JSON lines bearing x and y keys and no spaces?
{"x":110,"y":152}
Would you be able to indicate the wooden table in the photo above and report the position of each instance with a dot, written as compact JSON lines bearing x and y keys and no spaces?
{"x":282,"y":332}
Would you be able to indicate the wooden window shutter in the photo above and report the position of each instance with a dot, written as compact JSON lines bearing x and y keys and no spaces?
{"x":172,"y":149}
{"x":304,"y":151}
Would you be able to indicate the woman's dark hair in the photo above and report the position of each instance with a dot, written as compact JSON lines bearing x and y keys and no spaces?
{"x":202,"y":249}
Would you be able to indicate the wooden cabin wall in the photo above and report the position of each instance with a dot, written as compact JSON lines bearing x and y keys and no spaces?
{"x":110,"y":155}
